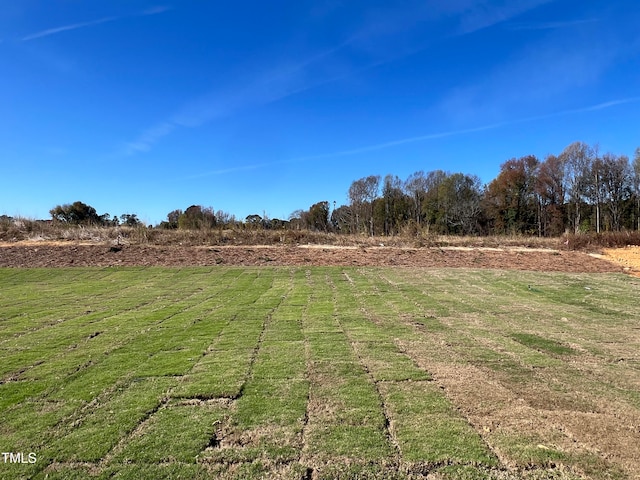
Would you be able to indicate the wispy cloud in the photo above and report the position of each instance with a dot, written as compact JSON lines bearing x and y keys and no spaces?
{"x":383,"y":35}
{"x":404,"y":141}
{"x":224,"y":171}
{"x":550,"y":25}
{"x":149,"y":137}
{"x":546,"y":72}
{"x":493,"y":126}
{"x":363,"y":49}
{"x":65,"y":28}
{"x":415,"y":139}
{"x":485,"y":14}
{"x":76,"y":26}
{"x":590,"y":108}
{"x":421,"y":138}
{"x":265,"y":87}
{"x":155,"y":10}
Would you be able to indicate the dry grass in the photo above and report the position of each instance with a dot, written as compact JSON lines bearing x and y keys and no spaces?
{"x":597,"y":241}
{"x":23,"y":229}
{"x":32,"y":230}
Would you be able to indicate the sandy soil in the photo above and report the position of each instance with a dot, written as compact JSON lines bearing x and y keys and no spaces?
{"x":64,"y":254}
{"x":628,"y":258}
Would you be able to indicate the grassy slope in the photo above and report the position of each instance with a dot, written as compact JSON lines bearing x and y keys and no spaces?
{"x":367,"y":373}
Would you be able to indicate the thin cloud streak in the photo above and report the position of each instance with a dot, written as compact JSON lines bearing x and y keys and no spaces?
{"x":421,"y":138}
{"x":155,"y":10}
{"x":223,"y":171}
{"x":286,"y":81}
{"x":550,"y":25}
{"x":481,"y":16}
{"x":145,"y":141}
{"x":404,"y":141}
{"x":269,"y":87}
{"x":75,"y":26}
{"x":433,"y":136}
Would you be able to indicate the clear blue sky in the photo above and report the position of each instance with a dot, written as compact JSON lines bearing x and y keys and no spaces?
{"x":269,"y":106}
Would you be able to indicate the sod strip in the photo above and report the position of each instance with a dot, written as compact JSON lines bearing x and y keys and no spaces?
{"x":113,"y":368}
{"x":266,"y":425}
{"x":375,"y":301}
{"x":223,"y":369}
{"x":517,"y":343}
{"x":56,"y":340}
{"x":151,"y":351}
{"x":175,"y":433}
{"x":346,"y":422}
{"x":428,"y":429}
{"x":75,"y":295}
{"x":322,"y":373}
{"x":101,"y":429}
{"x":152,"y":471}
{"x":82,"y":374}
{"x":430,"y":435}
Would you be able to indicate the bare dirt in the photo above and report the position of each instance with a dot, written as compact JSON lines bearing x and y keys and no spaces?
{"x":628,"y":258}
{"x":72,"y":254}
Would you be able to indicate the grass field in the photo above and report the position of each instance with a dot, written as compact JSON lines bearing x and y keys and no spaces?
{"x":320,"y":372}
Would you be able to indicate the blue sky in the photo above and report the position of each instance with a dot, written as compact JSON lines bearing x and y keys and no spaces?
{"x":266,"y":107}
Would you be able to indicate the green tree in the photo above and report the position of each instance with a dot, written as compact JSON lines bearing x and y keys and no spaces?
{"x":318,"y":217}
{"x":254,"y":221}
{"x":130,"y":220}
{"x":197,"y":217}
{"x":77,"y":213}
{"x":432,"y":203}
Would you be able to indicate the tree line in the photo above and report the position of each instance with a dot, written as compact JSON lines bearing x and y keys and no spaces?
{"x":579,"y":190}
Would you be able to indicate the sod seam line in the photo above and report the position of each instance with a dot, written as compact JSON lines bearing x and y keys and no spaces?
{"x":385,"y":412}
{"x":114,"y":346}
{"x":432,"y":466}
{"x":305,"y":426}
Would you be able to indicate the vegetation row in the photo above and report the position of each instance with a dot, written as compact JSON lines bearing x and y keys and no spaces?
{"x":578,"y":191}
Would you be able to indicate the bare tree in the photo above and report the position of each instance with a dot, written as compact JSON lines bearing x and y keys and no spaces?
{"x":357,"y":195}
{"x":636,"y":184}
{"x":577,"y":159}
{"x":395,"y":205}
{"x":416,"y":186}
{"x":431,"y":209}
{"x":362,"y":193}
{"x":616,"y":185}
{"x":549,"y":188}
{"x":460,"y":202}
{"x":372,"y":185}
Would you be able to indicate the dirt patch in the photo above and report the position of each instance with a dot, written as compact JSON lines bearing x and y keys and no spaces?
{"x":101,"y":255}
{"x":628,"y":258}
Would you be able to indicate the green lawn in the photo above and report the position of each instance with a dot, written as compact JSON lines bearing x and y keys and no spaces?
{"x":320,"y":372}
